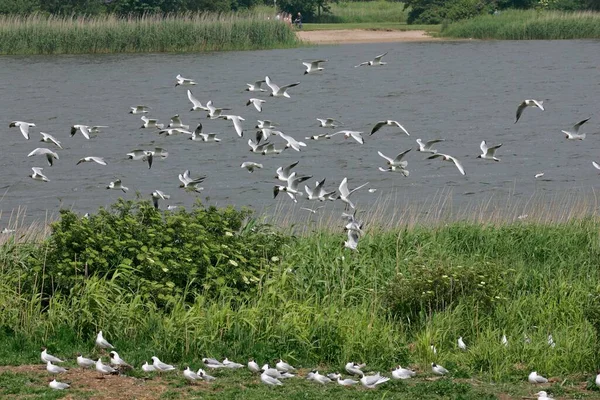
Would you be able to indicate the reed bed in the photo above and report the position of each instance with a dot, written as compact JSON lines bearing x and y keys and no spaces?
{"x":39,"y":34}
{"x":367,"y":11}
{"x":527,"y":25}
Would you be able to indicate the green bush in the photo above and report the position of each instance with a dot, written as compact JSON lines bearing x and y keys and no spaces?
{"x":210,"y":250}
{"x":421,"y":290}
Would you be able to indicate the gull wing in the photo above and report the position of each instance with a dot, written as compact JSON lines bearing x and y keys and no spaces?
{"x":483,"y":147}
{"x":274,"y":88}
{"x":458,"y":165}
{"x":400,"y":156}
{"x":390,"y":160}
{"x":578,"y":125}
{"x":379,"y":57}
{"x":378,"y":126}
{"x":520,"y":110}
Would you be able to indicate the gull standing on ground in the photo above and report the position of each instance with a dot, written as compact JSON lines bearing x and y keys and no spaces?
{"x":102,"y":343}
{"x":104,"y":369}
{"x":426,"y":147}
{"x":212,"y":363}
{"x":161,"y":366}
{"x":535,"y":378}
{"x":370,"y":381}
{"x":489,"y":153}
{"x":256,"y":86}
{"x":346,"y":382}
{"x":49,"y":357}
{"x":117,"y":185}
{"x":375,"y":62}
{"x":292,"y":186}
{"x":190,"y":375}
{"x":322,"y":379}
{"x":345,"y":193}
{"x":257,"y":103}
{"x":115,"y":359}
{"x":205,"y":137}
{"x":461,"y":344}
{"x":196,"y":105}
{"x":283,"y":173}
{"x":402,"y":373}
{"x":38,"y":175}
{"x":181,"y":81}
{"x":329,"y":122}
{"x":272,"y":372}
{"x":54,"y":369}
{"x":313,"y":66}
{"x":23,"y":127}
{"x":98,"y":160}
{"x":54,"y":384}
{"x":42,"y":151}
{"x":277,"y":91}
{"x":84,"y":129}
{"x":140,"y":109}
{"x":150,"y":123}
{"x":388,"y":122}
{"x":574,"y":134}
{"x":446,"y":157}
{"x":237,"y":123}
{"x":84,"y":362}
{"x":438,"y":369}
{"x":250,"y":166}
{"x":528,"y":103}
{"x":47,"y":138}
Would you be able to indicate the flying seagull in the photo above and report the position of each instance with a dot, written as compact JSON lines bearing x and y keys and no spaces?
{"x":256,"y":86}
{"x":117,"y":185}
{"x":427,"y":146}
{"x":47,"y":138}
{"x":42,"y":151}
{"x":528,"y":103}
{"x":140,"y":109}
{"x":345,"y":193}
{"x":256,"y":102}
{"x":98,"y":160}
{"x":388,"y":122}
{"x":375,"y":62}
{"x":446,"y":157}
{"x":196,"y":105}
{"x":277,"y":91}
{"x":313,"y":66}
{"x":488,"y":153}
{"x":328,"y":122}
{"x":574,"y":134}
{"x":38,"y":175}
{"x":181,"y":81}
{"x":23,"y":127}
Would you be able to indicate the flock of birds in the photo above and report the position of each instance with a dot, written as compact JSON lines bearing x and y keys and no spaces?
{"x":268,"y":375}
{"x":262,"y":143}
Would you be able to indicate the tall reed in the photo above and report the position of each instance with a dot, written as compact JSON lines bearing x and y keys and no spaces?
{"x":527,"y":25}
{"x":39,"y":34}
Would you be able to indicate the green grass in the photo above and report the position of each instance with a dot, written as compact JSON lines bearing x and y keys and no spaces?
{"x":527,"y":25}
{"x":361,"y":12}
{"x":37,"y":34}
{"x":318,"y":304}
{"x":375,"y":26}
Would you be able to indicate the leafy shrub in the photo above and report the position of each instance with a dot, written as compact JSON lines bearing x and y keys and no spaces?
{"x":208,"y":249}
{"x":423,"y":290}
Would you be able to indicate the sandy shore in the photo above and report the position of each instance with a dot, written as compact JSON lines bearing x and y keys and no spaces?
{"x":362,"y":36}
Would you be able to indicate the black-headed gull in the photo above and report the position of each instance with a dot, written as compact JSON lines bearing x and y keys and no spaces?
{"x":49,"y":357}
{"x":159,"y":195}
{"x":375,"y":62}
{"x":139,"y":109}
{"x":528,"y":103}
{"x":397,"y":161}
{"x":403,"y":373}
{"x":292,"y":186}
{"x":291,"y":142}
{"x":278,"y":91}
{"x":426,"y":147}
{"x":283,"y":173}
{"x":446,"y":157}
{"x":313,"y":66}
{"x":371,"y":381}
{"x":231,"y":365}
{"x":250,"y":166}
{"x":257,"y":103}
{"x":574,"y":134}
{"x":98,"y":160}
{"x":388,"y":122}
{"x":173,"y":131}
{"x":102,"y":343}
{"x":161,"y":366}
{"x":322,"y":379}
{"x":54,"y":369}
{"x":23,"y":127}
{"x":282,"y":366}
{"x":328,"y":122}
{"x":198,"y":135}
{"x":237,"y":123}
{"x":318,"y":137}
{"x":202,"y":374}
{"x":542,"y":395}
{"x":253,"y":366}
{"x":269,"y":380}
{"x":84,"y":362}
{"x":42,"y":151}
{"x":596,"y":165}
{"x":270,"y":149}
{"x":188,"y":182}
{"x":488,"y":153}
{"x":150,"y":123}
{"x":438,"y":369}
{"x":196,"y":105}
{"x":535,"y":378}
{"x":319,"y":192}
{"x":190,"y":375}
{"x":346,"y":382}
{"x":148,"y":367}
{"x":181,"y":81}
{"x":83,"y":129}
{"x":461,"y":344}
{"x":47,"y":138}
{"x":266,"y":124}
{"x":257,"y":147}
{"x":38,"y":175}
{"x":345,"y":193}
{"x":115,"y":359}
{"x":54,"y":384}
{"x":256,"y":86}
{"x":214,"y":112}
{"x":176,"y":122}
{"x":356,"y":135}
{"x":105,"y":369}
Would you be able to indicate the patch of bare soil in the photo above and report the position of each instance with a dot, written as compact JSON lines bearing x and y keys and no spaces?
{"x":342,"y":36}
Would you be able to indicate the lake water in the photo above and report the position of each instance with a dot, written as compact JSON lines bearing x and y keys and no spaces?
{"x":464,"y":92}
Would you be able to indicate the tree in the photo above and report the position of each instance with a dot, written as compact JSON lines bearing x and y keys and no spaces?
{"x":308,"y":8}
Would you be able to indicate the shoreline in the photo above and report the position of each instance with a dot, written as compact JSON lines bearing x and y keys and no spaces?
{"x":347,"y":36}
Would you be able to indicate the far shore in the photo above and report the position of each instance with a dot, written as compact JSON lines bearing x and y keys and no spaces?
{"x":341,"y":36}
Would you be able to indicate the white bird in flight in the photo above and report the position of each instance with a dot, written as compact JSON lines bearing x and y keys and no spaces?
{"x":375,"y":62}
{"x":237,"y":123}
{"x":397,"y":161}
{"x":356,"y":135}
{"x":47,"y":138}
{"x":139,"y":109}
{"x":278,"y":91}
{"x":291,"y":142}
{"x":313,"y":66}
{"x":176,"y":123}
{"x":196,"y":105}
{"x":181,"y":81}
{"x":352,"y":242}
{"x":257,"y":103}
{"x":83,"y":129}
{"x":283,"y":173}
{"x":388,"y":122}
{"x":23,"y":127}
{"x":574,"y":134}
{"x":319,"y":192}
{"x":98,"y":160}
{"x":292,"y":186}
{"x":38,"y":175}
{"x":256,"y":86}
{"x":198,"y":135}
{"x":427,"y":146}
{"x":528,"y":103}
{"x":488,"y":153}
{"x":328,"y":122}
{"x":266,"y":124}
{"x":188,"y":182}
{"x":446,"y":157}
{"x":42,"y":151}
{"x":150,"y":123}
{"x":250,"y":166}
{"x":214,"y":112}
{"x":345,"y":193}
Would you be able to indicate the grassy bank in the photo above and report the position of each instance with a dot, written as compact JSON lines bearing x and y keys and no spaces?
{"x":527,"y":25}
{"x":361,"y":12}
{"x":308,"y":300}
{"x":36,"y":34}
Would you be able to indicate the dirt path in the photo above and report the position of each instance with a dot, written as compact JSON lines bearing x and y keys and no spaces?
{"x":342,"y":36}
